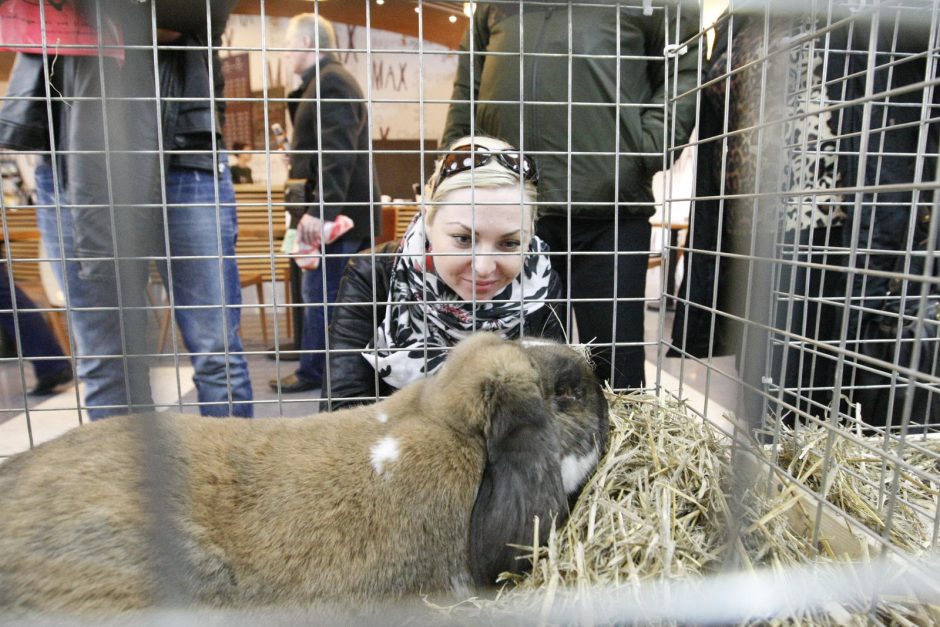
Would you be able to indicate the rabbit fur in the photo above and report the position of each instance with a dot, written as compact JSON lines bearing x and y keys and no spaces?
{"x":420,"y":492}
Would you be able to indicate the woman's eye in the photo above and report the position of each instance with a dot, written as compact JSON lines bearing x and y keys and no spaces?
{"x":512,"y":244}
{"x":463,"y":240}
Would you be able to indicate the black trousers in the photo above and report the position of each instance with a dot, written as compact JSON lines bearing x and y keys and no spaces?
{"x":810,"y":300}
{"x":592,"y":253}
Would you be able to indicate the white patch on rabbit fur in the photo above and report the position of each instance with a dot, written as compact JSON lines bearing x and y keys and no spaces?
{"x":460,"y":586}
{"x":574,"y":469}
{"x":384,"y":451}
{"x":535,"y":342}
{"x":382,"y":417}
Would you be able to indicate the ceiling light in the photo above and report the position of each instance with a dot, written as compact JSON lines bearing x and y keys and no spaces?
{"x":453,"y":19}
{"x":380,"y":1}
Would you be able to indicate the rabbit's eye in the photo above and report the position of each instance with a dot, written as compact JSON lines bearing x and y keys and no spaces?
{"x":566,"y":392}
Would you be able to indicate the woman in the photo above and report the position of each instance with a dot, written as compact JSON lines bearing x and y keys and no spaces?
{"x":469,"y":261}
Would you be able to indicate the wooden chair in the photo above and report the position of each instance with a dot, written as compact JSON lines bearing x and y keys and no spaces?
{"x":395,"y":221}
{"x":675,"y":229}
{"x":260,"y":231}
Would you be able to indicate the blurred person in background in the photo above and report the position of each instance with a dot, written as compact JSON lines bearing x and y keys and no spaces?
{"x":570,"y":115}
{"x":241,"y":171}
{"x":101,"y":204}
{"x":330,"y":137}
{"x":35,"y":338}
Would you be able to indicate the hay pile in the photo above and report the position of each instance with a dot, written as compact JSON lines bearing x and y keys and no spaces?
{"x":865,"y":475}
{"x":658,"y":509}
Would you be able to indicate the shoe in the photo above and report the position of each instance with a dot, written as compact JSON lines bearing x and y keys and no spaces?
{"x":292,"y":384}
{"x":46,"y":385}
{"x":286,"y":352}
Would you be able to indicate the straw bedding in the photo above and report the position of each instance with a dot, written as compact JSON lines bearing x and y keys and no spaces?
{"x":658,"y":509}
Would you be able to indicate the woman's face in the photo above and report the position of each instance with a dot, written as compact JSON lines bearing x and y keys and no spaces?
{"x":477,"y":253}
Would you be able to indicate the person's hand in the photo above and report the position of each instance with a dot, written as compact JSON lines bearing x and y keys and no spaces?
{"x":165,"y":36}
{"x":310,"y":230}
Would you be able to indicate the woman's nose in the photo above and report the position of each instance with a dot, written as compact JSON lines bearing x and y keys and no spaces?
{"x":483,"y":264}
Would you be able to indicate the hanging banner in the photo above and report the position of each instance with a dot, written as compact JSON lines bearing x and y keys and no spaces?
{"x":67,"y":32}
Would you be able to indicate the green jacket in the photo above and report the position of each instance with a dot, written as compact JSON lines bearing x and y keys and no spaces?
{"x":546,"y":125}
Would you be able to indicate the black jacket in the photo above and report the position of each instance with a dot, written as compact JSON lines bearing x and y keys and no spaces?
{"x":340,"y":132}
{"x":565,"y":110}
{"x":360,"y":310}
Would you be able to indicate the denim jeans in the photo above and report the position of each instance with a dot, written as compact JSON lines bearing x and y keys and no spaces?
{"x":206,"y":297}
{"x":313,"y":341}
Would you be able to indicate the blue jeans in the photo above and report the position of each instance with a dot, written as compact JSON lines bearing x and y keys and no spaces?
{"x":313,"y":340}
{"x":206,"y":296}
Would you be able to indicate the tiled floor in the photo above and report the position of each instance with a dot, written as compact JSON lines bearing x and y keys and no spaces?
{"x":24,"y":419}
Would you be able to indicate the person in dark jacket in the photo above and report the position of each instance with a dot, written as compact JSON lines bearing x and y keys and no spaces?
{"x":135,"y":179}
{"x":330,"y":151}
{"x":586,"y":123}
{"x":241,"y":170}
{"x":35,"y":338}
{"x":804,"y":193}
{"x":469,"y":261}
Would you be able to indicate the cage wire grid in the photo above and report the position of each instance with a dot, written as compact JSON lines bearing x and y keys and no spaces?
{"x":809,"y":287}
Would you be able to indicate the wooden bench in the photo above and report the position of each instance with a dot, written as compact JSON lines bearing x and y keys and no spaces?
{"x":257,"y":243}
{"x":260,"y":232}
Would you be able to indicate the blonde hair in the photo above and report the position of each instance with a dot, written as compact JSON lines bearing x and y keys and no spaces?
{"x":492,"y":174}
{"x":317,"y":28}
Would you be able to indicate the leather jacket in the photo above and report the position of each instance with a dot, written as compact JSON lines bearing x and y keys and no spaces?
{"x":360,"y":310}
{"x":184,"y":75}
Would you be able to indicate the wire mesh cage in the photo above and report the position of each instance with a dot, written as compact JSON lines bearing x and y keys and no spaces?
{"x":810,"y":267}
{"x":731,"y":206}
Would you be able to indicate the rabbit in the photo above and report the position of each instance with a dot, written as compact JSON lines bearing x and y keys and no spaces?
{"x":419,"y":493}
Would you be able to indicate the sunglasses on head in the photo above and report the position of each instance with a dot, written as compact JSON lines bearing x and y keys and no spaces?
{"x":468,"y":156}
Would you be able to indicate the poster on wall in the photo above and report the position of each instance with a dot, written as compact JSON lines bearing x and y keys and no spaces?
{"x":400,"y":83}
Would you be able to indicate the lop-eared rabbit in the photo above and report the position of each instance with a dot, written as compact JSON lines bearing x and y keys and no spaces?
{"x":419,"y":493}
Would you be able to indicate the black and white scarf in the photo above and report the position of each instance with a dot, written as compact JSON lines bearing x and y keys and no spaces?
{"x":424,"y":315}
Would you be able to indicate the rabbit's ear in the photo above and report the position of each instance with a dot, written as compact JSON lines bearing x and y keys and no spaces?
{"x":521,"y":480}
